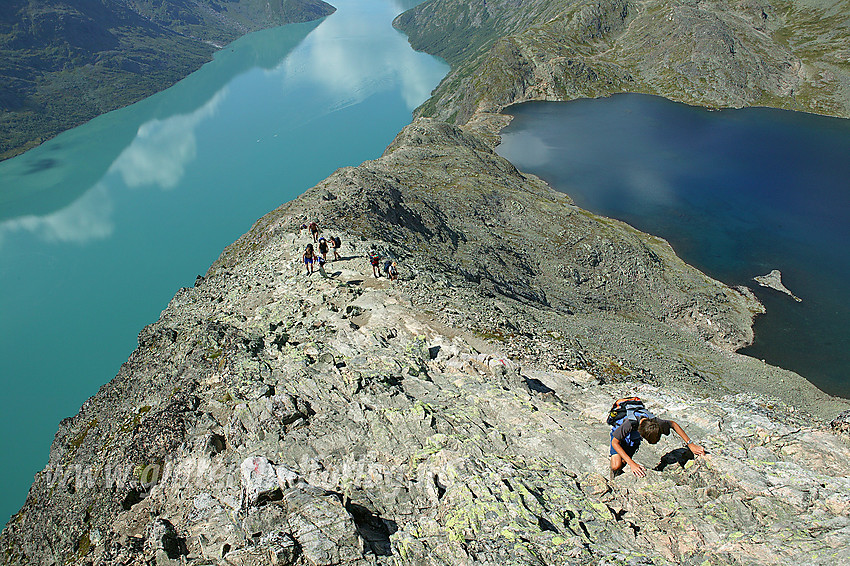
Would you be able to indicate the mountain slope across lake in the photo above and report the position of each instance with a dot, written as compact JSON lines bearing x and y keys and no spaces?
{"x":63,"y":62}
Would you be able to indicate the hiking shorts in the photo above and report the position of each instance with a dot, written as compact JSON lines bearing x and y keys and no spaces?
{"x":630,"y":449}
{"x":308,"y":260}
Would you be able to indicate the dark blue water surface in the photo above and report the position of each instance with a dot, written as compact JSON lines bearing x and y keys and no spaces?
{"x":736,"y":192}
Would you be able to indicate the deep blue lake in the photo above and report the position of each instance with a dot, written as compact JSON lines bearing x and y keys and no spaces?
{"x":100,"y":226}
{"x":736,"y":192}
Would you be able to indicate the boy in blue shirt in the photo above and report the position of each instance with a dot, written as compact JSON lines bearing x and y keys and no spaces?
{"x":636,"y":425}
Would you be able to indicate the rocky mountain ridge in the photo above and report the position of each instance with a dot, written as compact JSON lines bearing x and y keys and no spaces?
{"x":456,"y":416}
{"x":452,"y":417}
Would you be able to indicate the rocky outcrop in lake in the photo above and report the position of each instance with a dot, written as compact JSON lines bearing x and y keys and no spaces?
{"x":455,"y":416}
{"x":773,"y":280}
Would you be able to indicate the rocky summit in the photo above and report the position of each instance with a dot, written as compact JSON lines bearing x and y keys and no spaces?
{"x":453,"y":416}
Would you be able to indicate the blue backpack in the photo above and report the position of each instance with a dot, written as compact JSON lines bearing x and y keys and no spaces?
{"x":631,"y":408}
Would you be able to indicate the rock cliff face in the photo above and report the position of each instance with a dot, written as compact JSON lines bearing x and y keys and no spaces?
{"x":787,"y":54}
{"x":452,"y":417}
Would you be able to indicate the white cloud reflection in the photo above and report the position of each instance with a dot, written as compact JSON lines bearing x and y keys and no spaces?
{"x":87,"y":218}
{"x":588,"y":164}
{"x":356,"y":53}
{"x":157,"y":156}
{"x":161,"y":149}
{"x":349,"y":57}
{"x":649,"y":185}
{"x":525,"y":149}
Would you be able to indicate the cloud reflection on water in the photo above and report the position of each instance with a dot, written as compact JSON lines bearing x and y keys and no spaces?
{"x":351,"y":58}
{"x":352,"y":55}
{"x":87,"y":218}
{"x":157,"y":156}
{"x":525,"y":148}
{"x":162,"y":148}
{"x":591,"y":162}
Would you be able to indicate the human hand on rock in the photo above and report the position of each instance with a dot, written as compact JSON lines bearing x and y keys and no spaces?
{"x":637,"y":469}
{"x":696,"y":449}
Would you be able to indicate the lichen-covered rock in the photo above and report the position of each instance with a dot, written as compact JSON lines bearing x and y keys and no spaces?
{"x":841,"y":423}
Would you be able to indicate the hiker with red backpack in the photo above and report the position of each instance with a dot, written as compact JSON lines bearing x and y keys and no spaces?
{"x":631,"y":423}
{"x":375,"y":261}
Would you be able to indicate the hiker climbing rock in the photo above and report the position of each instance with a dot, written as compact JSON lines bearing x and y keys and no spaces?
{"x":323,"y":249}
{"x":375,"y":260}
{"x":309,"y":258}
{"x":393,"y":272}
{"x":631,"y":423}
{"x":314,"y":230}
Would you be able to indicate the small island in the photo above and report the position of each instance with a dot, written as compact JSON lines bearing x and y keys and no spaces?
{"x":773,"y":280}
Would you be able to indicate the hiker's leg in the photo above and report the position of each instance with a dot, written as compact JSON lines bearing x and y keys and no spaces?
{"x":617,"y":463}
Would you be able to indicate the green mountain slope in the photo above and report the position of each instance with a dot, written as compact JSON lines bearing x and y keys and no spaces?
{"x":63,"y":62}
{"x":788,"y":54}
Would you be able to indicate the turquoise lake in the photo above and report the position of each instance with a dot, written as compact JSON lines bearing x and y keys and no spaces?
{"x":737,"y":193}
{"x":100,"y":226}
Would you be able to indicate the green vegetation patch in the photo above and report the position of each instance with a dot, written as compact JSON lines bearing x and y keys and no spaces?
{"x":80,"y":438}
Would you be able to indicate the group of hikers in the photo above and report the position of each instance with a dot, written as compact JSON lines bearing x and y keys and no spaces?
{"x":631,"y":423}
{"x":312,"y":258}
{"x":390,"y":267}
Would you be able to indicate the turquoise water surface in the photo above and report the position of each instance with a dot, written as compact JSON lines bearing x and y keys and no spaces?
{"x":736,"y":192}
{"x":100,"y":226}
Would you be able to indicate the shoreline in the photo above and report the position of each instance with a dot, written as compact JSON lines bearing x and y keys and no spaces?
{"x":158,"y":69}
{"x":491,"y":126}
